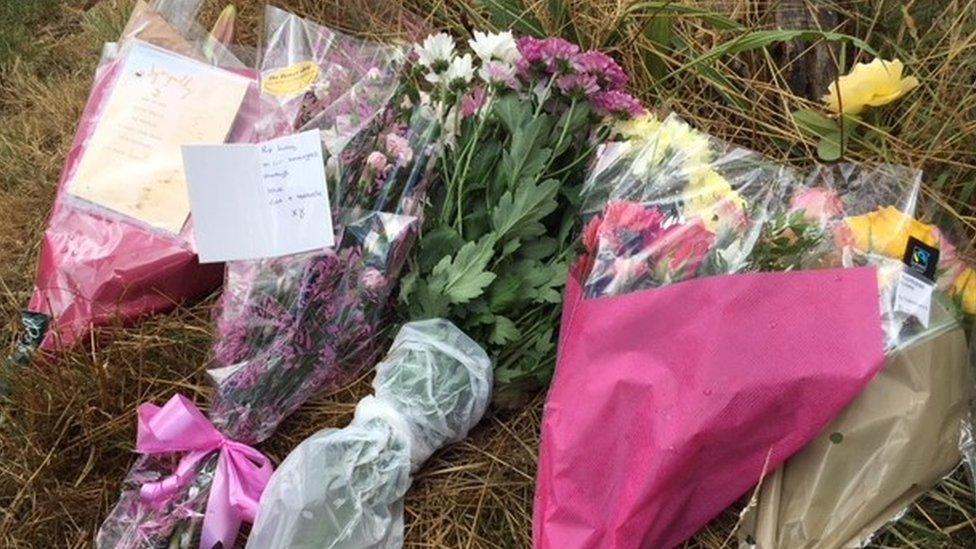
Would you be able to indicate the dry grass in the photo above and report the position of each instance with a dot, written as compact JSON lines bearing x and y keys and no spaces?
{"x":66,"y":437}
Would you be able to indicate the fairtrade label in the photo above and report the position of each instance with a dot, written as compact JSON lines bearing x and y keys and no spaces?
{"x":290,"y":80}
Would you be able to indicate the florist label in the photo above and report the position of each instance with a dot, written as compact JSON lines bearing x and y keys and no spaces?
{"x":161,"y":101}
{"x":291,"y":80}
{"x":259,"y":200}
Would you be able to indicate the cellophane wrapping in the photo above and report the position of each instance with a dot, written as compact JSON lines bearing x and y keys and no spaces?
{"x":98,"y":266}
{"x":345,"y":487}
{"x":289,"y":327}
{"x":677,"y":220}
{"x":912,"y":424}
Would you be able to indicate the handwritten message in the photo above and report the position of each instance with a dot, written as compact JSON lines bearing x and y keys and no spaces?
{"x":263,"y":200}
{"x":160,"y":101}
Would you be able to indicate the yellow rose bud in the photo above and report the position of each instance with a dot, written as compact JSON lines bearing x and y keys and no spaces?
{"x":964,"y":290}
{"x":869,"y":84}
{"x":886,"y":232}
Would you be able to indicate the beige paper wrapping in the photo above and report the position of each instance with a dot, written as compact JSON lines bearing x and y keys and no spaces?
{"x":892,"y":444}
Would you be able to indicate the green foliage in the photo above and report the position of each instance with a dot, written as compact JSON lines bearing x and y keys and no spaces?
{"x":495,"y":259}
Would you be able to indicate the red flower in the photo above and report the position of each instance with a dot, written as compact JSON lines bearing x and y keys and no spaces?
{"x":680,"y":249}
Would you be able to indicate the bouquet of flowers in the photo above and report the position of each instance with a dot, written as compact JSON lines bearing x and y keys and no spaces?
{"x":287,"y":327}
{"x":528,"y":114}
{"x":911,"y":425}
{"x":699,"y":348}
{"x":345,"y":487}
{"x":116,"y":245}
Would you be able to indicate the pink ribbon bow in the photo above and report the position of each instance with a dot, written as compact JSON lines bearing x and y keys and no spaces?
{"x":242,"y":472}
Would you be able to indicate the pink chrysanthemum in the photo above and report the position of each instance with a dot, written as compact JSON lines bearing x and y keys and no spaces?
{"x":578,"y":86}
{"x":607,"y":72}
{"x":617,"y":104}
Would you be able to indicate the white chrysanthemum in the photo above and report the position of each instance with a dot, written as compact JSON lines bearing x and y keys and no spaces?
{"x":498,"y":46}
{"x":436,"y":51}
{"x":460,"y":71}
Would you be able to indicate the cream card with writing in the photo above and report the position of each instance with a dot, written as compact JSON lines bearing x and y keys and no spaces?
{"x":160,"y":102}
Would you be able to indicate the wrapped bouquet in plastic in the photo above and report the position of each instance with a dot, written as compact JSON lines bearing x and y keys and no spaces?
{"x":345,"y":487}
{"x":706,"y":337}
{"x":288,"y":327}
{"x":118,"y":245}
{"x":911,"y":425}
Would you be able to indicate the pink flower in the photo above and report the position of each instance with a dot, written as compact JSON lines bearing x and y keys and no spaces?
{"x":617,"y":104}
{"x":577,"y":86}
{"x":372,"y":280}
{"x":628,"y":226}
{"x":607,"y":72}
{"x":591,"y":234}
{"x":472,"y":102}
{"x":398,"y":147}
{"x":550,"y":55}
{"x":376,"y":160}
{"x":680,"y":249}
{"x":817,"y":203}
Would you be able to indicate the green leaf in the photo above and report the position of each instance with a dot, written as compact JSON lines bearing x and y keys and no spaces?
{"x":813,"y":123}
{"x":518,"y":215}
{"x":829,"y":148}
{"x":560,"y":15}
{"x":503,"y":331}
{"x":437,"y":243}
{"x":527,"y":155}
{"x":513,"y":15}
{"x":464,"y":278}
{"x":763,"y":38}
{"x":512,"y":112}
{"x":539,"y":248}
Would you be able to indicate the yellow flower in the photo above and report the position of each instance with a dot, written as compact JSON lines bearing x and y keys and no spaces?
{"x":869,"y":84}
{"x":886,"y":231}
{"x":964,"y":289}
{"x":642,"y":127}
{"x":710,"y":197}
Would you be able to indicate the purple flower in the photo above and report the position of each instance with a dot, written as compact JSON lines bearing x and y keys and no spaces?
{"x":607,"y":72}
{"x":472,"y":102}
{"x":547,"y":56}
{"x":617,"y":104}
{"x":577,"y":86}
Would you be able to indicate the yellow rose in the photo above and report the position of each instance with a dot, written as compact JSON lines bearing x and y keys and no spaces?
{"x":964,"y":290}
{"x":886,"y":231}
{"x":869,"y":84}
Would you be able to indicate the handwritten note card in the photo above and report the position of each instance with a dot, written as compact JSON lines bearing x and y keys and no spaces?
{"x":263,"y":200}
{"x":161,"y":101}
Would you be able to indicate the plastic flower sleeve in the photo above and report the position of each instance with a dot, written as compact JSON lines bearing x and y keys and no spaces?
{"x":289,"y":327}
{"x":100,"y":265}
{"x":668,"y":203}
{"x":906,"y":431}
{"x":345,"y":487}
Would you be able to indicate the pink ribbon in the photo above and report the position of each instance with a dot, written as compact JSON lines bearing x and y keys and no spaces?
{"x":242,"y":472}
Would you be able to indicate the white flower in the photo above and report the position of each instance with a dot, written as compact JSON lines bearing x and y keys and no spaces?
{"x":498,"y":73}
{"x":436,"y":52}
{"x":495,"y":47}
{"x":459,"y":72}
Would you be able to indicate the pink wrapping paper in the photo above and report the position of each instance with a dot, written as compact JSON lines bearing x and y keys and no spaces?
{"x":669,"y":404}
{"x":97,"y":267}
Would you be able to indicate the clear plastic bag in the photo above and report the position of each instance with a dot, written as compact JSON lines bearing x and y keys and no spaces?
{"x":672,"y":307}
{"x":345,"y":487}
{"x":117,"y":246}
{"x":291,"y":326}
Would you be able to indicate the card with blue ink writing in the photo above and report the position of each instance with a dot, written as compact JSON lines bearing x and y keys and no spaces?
{"x":260,"y":200}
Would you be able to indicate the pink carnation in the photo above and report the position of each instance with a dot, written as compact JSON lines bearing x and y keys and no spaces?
{"x":376,"y":160}
{"x":399,"y":148}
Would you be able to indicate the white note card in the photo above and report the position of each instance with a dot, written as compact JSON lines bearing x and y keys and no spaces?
{"x":253,"y":201}
{"x":913,"y":296}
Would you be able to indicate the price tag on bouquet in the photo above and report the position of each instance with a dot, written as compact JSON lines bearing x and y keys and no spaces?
{"x":259,"y":200}
{"x":913,"y":295}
